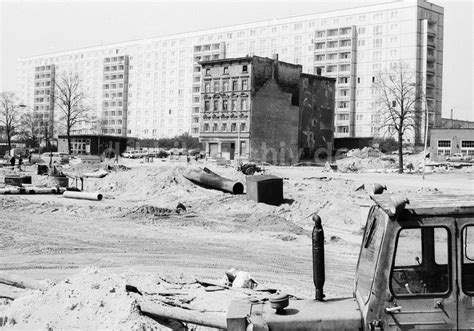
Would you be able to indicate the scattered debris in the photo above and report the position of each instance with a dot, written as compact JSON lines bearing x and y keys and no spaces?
{"x":100,"y":173}
{"x":147,"y":210}
{"x":239,"y":279}
{"x":249,"y":168}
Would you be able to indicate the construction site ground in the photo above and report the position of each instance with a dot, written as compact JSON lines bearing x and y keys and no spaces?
{"x":135,"y":231}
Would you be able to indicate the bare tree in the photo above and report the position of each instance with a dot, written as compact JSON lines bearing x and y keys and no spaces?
{"x":9,"y":115}
{"x":70,"y":100}
{"x":398,"y":97}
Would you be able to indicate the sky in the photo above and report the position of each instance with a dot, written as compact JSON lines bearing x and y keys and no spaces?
{"x":31,"y":28}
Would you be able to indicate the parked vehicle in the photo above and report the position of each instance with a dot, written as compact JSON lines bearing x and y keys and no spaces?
{"x":55,"y":157}
{"x":132,"y":154}
{"x":456,"y":157}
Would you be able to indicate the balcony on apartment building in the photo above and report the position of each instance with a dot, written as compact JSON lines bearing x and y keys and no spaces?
{"x":430,"y":80}
{"x":332,"y":34}
{"x":345,"y":45}
{"x":342,"y":131}
{"x":345,"y":57}
{"x":332,"y":59}
{"x":431,"y":29}
{"x":431,"y":54}
{"x":431,"y":41}
{"x":320,"y":35}
{"x":320,"y":47}
{"x":430,"y":67}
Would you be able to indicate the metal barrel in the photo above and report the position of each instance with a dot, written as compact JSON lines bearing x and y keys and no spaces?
{"x":318,"y":257}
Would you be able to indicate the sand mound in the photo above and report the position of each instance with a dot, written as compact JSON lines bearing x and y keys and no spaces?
{"x":143,"y":182}
{"x":90,"y":300}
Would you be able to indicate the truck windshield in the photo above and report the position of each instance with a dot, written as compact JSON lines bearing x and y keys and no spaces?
{"x":369,"y":254}
{"x":468,"y":260}
{"x":421,"y":265}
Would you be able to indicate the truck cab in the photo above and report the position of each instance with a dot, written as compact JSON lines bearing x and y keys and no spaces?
{"x":415,"y":270}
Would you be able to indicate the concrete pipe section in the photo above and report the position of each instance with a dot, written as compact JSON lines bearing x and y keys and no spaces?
{"x":207,"y":178}
{"x":83,"y":195}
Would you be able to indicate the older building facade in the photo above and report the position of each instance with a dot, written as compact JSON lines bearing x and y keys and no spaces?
{"x":262,"y":109}
{"x":352,"y":45}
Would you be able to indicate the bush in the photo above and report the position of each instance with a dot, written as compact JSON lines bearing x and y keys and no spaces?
{"x":386,"y":145}
{"x":183,"y":141}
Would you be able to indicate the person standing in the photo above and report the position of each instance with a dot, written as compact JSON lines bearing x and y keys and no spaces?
{"x":20,"y":162}
{"x":12,"y":162}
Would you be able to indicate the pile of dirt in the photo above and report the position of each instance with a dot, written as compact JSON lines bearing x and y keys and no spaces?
{"x":90,"y":300}
{"x":166,"y":182}
{"x":356,"y":164}
{"x":95,"y":299}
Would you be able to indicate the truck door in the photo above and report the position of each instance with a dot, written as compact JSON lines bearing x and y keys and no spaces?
{"x":466,"y":270}
{"x":422,"y":278}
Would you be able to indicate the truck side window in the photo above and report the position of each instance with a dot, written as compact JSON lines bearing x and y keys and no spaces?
{"x":468,"y":260}
{"x":421,"y":264}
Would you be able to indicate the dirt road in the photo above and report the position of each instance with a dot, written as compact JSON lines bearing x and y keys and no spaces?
{"x":51,"y":237}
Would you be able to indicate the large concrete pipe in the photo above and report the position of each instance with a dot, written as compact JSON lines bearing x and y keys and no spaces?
{"x":41,"y":190}
{"x":83,"y":195}
{"x":207,"y":178}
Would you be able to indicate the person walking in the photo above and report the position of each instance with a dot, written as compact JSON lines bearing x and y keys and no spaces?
{"x":12,"y":162}
{"x":20,"y":162}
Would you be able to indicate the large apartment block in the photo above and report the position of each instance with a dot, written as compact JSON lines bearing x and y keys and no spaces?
{"x":352,"y":45}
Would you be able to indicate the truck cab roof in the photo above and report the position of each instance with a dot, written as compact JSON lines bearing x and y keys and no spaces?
{"x":428,"y":204}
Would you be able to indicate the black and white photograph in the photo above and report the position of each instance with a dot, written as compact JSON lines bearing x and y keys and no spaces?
{"x":236,"y":165}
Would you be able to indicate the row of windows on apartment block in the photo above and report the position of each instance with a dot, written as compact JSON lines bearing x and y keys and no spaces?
{"x":225,"y":70}
{"x":377,"y":30}
{"x":276,"y":29}
{"x":43,"y":84}
{"x":224,"y":127}
{"x":114,"y":68}
{"x":42,"y":99}
{"x":112,"y":59}
{"x":43,"y":76}
{"x":113,"y":77}
{"x":205,"y":48}
{"x":42,"y":108}
{"x":224,"y":105}
{"x":42,"y":92}
{"x":376,"y":55}
{"x":244,"y":85}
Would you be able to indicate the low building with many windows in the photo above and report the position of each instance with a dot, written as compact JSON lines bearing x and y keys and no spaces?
{"x":262,"y":109}
{"x":87,"y":144}
{"x":445,"y":142}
